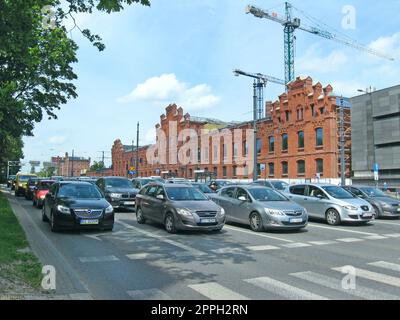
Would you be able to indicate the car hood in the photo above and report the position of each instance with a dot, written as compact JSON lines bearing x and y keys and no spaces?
{"x":281,"y":205}
{"x":353,"y":201}
{"x":388,"y":200}
{"x":84,"y":203}
{"x":206,"y":205}
{"x":122,"y":190}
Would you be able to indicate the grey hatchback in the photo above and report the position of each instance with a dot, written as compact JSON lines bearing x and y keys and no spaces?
{"x":261,"y":208}
{"x":178,"y":207}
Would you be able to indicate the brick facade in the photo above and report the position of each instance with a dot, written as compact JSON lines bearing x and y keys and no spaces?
{"x":307,"y":108}
{"x":71,"y":166}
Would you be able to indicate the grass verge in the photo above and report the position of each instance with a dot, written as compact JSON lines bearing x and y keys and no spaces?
{"x":16,"y":262}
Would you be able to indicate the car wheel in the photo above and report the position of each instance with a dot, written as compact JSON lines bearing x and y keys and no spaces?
{"x":332,"y":217}
{"x":170,"y":223}
{"x":376,"y":211}
{"x":139,"y":216}
{"x":256,"y":223}
{"x":52,"y":223}
{"x":44,"y":218}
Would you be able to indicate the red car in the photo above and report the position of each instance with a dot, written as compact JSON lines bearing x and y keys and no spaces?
{"x":39,"y":194}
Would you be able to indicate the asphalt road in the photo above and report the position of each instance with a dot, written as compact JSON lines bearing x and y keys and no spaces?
{"x":144,"y":262}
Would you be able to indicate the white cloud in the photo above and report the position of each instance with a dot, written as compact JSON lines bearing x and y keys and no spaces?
{"x":57,"y":140}
{"x":387,"y":45}
{"x":150,"y":136}
{"x":348,"y":88}
{"x":167,"y":89}
{"x":312,"y":61}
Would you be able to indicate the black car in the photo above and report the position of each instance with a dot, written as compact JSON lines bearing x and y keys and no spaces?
{"x":118,"y":191}
{"x":76,"y":205}
{"x":30,"y":188}
{"x":139,"y":183}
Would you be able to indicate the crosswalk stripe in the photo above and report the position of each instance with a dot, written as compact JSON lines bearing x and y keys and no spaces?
{"x":98,"y":259}
{"x":148,"y":294}
{"x":377,"y":237}
{"x":374,"y":276}
{"x":215,"y":291}
{"x":142,"y":255}
{"x":284,"y":290}
{"x":349,"y":240}
{"x":262,"y":248}
{"x":392,"y":235}
{"x":228,"y":250}
{"x":386,"y":265}
{"x":333,"y":283}
{"x":314,"y":225}
{"x":296,"y":245}
{"x":322,"y":243}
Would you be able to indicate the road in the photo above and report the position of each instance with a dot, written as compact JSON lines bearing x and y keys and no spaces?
{"x":144,"y":262}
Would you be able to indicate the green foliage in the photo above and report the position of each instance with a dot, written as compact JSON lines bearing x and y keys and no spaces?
{"x":97,"y":166}
{"x":47,"y":172}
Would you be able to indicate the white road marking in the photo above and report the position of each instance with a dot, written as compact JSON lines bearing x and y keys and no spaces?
{"x":148,"y":294}
{"x":143,"y":255}
{"x":256,"y":234}
{"x":296,"y":245}
{"x":385,"y":222}
{"x":336,"y":284}
{"x":392,"y":235}
{"x":374,"y":276}
{"x":80,"y":296}
{"x":323,"y":242}
{"x":93,"y":236}
{"x":349,"y":240}
{"x":377,"y":237}
{"x":284,"y":290}
{"x":340,"y":229}
{"x":386,"y":265}
{"x":98,"y":259}
{"x":262,"y":248}
{"x":215,"y":291}
{"x":228,"y":250}
{"x":194,"y":251}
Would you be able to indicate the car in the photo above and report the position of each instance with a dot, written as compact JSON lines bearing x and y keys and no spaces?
{"x":119,"y":191}
{"x":21,"y":182}
{"x":177,"y":180}
{"x":31,"y":184}
{"x":158,"y":179}
{"x":261,"y":208}
{"x":139,"y":183}
{"x":57,"y":178}
{"x":40,"y":191}
{"x":218,"y":184}
{"x":178,"y":207}
{"x":331,"y":203}
{"x":77,"y":205}
{"x":203,"y":187}
{"x":273,"y":184}
{"x":383,"y":204}
{"x":10,"y":180}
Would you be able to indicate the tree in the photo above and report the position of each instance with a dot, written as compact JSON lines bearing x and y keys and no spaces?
{"x":97,"y":166}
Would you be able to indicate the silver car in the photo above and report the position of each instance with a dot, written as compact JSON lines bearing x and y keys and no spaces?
{"x":260,"y":207}
{"x":331,"y":203}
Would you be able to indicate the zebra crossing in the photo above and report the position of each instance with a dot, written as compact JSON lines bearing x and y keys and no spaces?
{"x":305,"y":285}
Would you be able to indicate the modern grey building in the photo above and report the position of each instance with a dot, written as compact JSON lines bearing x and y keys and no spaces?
{"x":375,"y":136}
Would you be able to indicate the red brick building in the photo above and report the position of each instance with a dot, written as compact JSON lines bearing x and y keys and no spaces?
{"x":298,"y":138}
{"x":71,"y":166}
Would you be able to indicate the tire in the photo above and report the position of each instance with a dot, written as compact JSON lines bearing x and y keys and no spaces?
{"x":256,"y":223}
{"x":53,"y":227}
{"x":332,"y":217}
{"x":139,"y":216}
{"x":169,"y":223}
{"x":44,"y":218}
{"x":376,"y":211}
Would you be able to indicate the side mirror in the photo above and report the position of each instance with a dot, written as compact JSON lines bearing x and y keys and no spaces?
{"x":242,"y":198}
{"x":160,"y":197}
{"x":320,"y":196}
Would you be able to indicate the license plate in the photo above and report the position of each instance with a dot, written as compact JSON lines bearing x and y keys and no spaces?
{"x":367,"y":215}
{"x":207,"y":220}
{"x":129,"y":203}
{"x":297,"y":220}
{"x":89,"y":222}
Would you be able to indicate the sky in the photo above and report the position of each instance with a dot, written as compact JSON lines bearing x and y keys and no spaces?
{"x":180,"y":51}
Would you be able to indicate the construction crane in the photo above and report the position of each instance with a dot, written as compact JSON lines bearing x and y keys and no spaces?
{"x":290,"y":24}
{"x":260,"y":81}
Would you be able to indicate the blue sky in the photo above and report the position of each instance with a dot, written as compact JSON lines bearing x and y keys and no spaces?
{"x":184,"y":51}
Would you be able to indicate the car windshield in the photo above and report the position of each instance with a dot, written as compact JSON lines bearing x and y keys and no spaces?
{"x":79,"y":191}
{"x":279,"y":185}
{"x":24,"y":178}
{"x":373,"y":192}
{"x":203,"y":188}
{"x":185,"y":194}
{"x":32,"y":182}
{"x":266,"y":194}
{"x":338,"y":192}
{"x":119,"y":183}
{"x":45,"y":185}
{"x":145,"y":181}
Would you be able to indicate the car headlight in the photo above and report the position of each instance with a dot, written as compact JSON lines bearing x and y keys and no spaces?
{"x":116,"y":195}
{"x":222,"y":212}
{"x":274,"y":212}
{"x":349,"y":207}
{"x":109,"y":209}
{"x":63,"y":209}
{"x":385,"y":205}
{"x":42,"y":196}
{"x":184,"y":212}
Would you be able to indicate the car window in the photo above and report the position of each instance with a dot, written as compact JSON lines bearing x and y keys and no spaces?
{"x":228,"y":192}
{"x":338,"y":192}
{"x":79,"y":191}
{"x":266,"y":194}
{"x":242,"y":193}
{"x":118,"y":183}
{"x":160,"y":191}
{"x":185,"y":194}
{"x":300,"y":189}
{"x":373,"y":192}
{"x":315,"y":192}
{"x":151,"y":191}
{"x":279,"y":185}
{"x":355,"y":191}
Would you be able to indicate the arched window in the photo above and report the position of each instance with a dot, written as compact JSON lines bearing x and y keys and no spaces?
{"x":301,"y":167}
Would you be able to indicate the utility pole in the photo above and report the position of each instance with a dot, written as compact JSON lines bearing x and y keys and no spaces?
{"x":137,"y":150}
{"x":342,"y":144}
{"x":255,"y":154}
{"x":72,"y":163}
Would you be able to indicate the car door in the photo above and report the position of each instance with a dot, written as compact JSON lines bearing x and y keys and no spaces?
{"x":50,"y":199}
{"x":158,"y":205}
{"x":225,"y":200}
{"x":241,"y":209}
{"x":297,"y":194}
{"x":148,"y":202}
{"x":317,"y":202}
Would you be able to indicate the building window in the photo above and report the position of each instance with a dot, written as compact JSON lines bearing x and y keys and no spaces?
{"x":246,"y":148}
{"x":300,"y":114}
{"x":284,"y":142}
{"x":234,"y":168}
{"x":322,"y":110}
{"x":258,"y":146}
{"x":320,"y":166}
{"x":215,"y":153}
{"x":287,"y":115}
{"x":271,"y":169}
{"x":215,"y":169}
{"x":199,"y":155}
{"x":313,"y":110}
{"x":206,"y":155}
{"x":271,"y":144}
{"x":246,"y":171}
{"x":319,"y":140}
{"x":225,"y":150}
{"x":235,"y":150}
{"x":300,"y":139}
{"x":284,"y":168}
{"x":190,"y":172}
{"x":224,"y":171}
{"x":301,"y":168}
